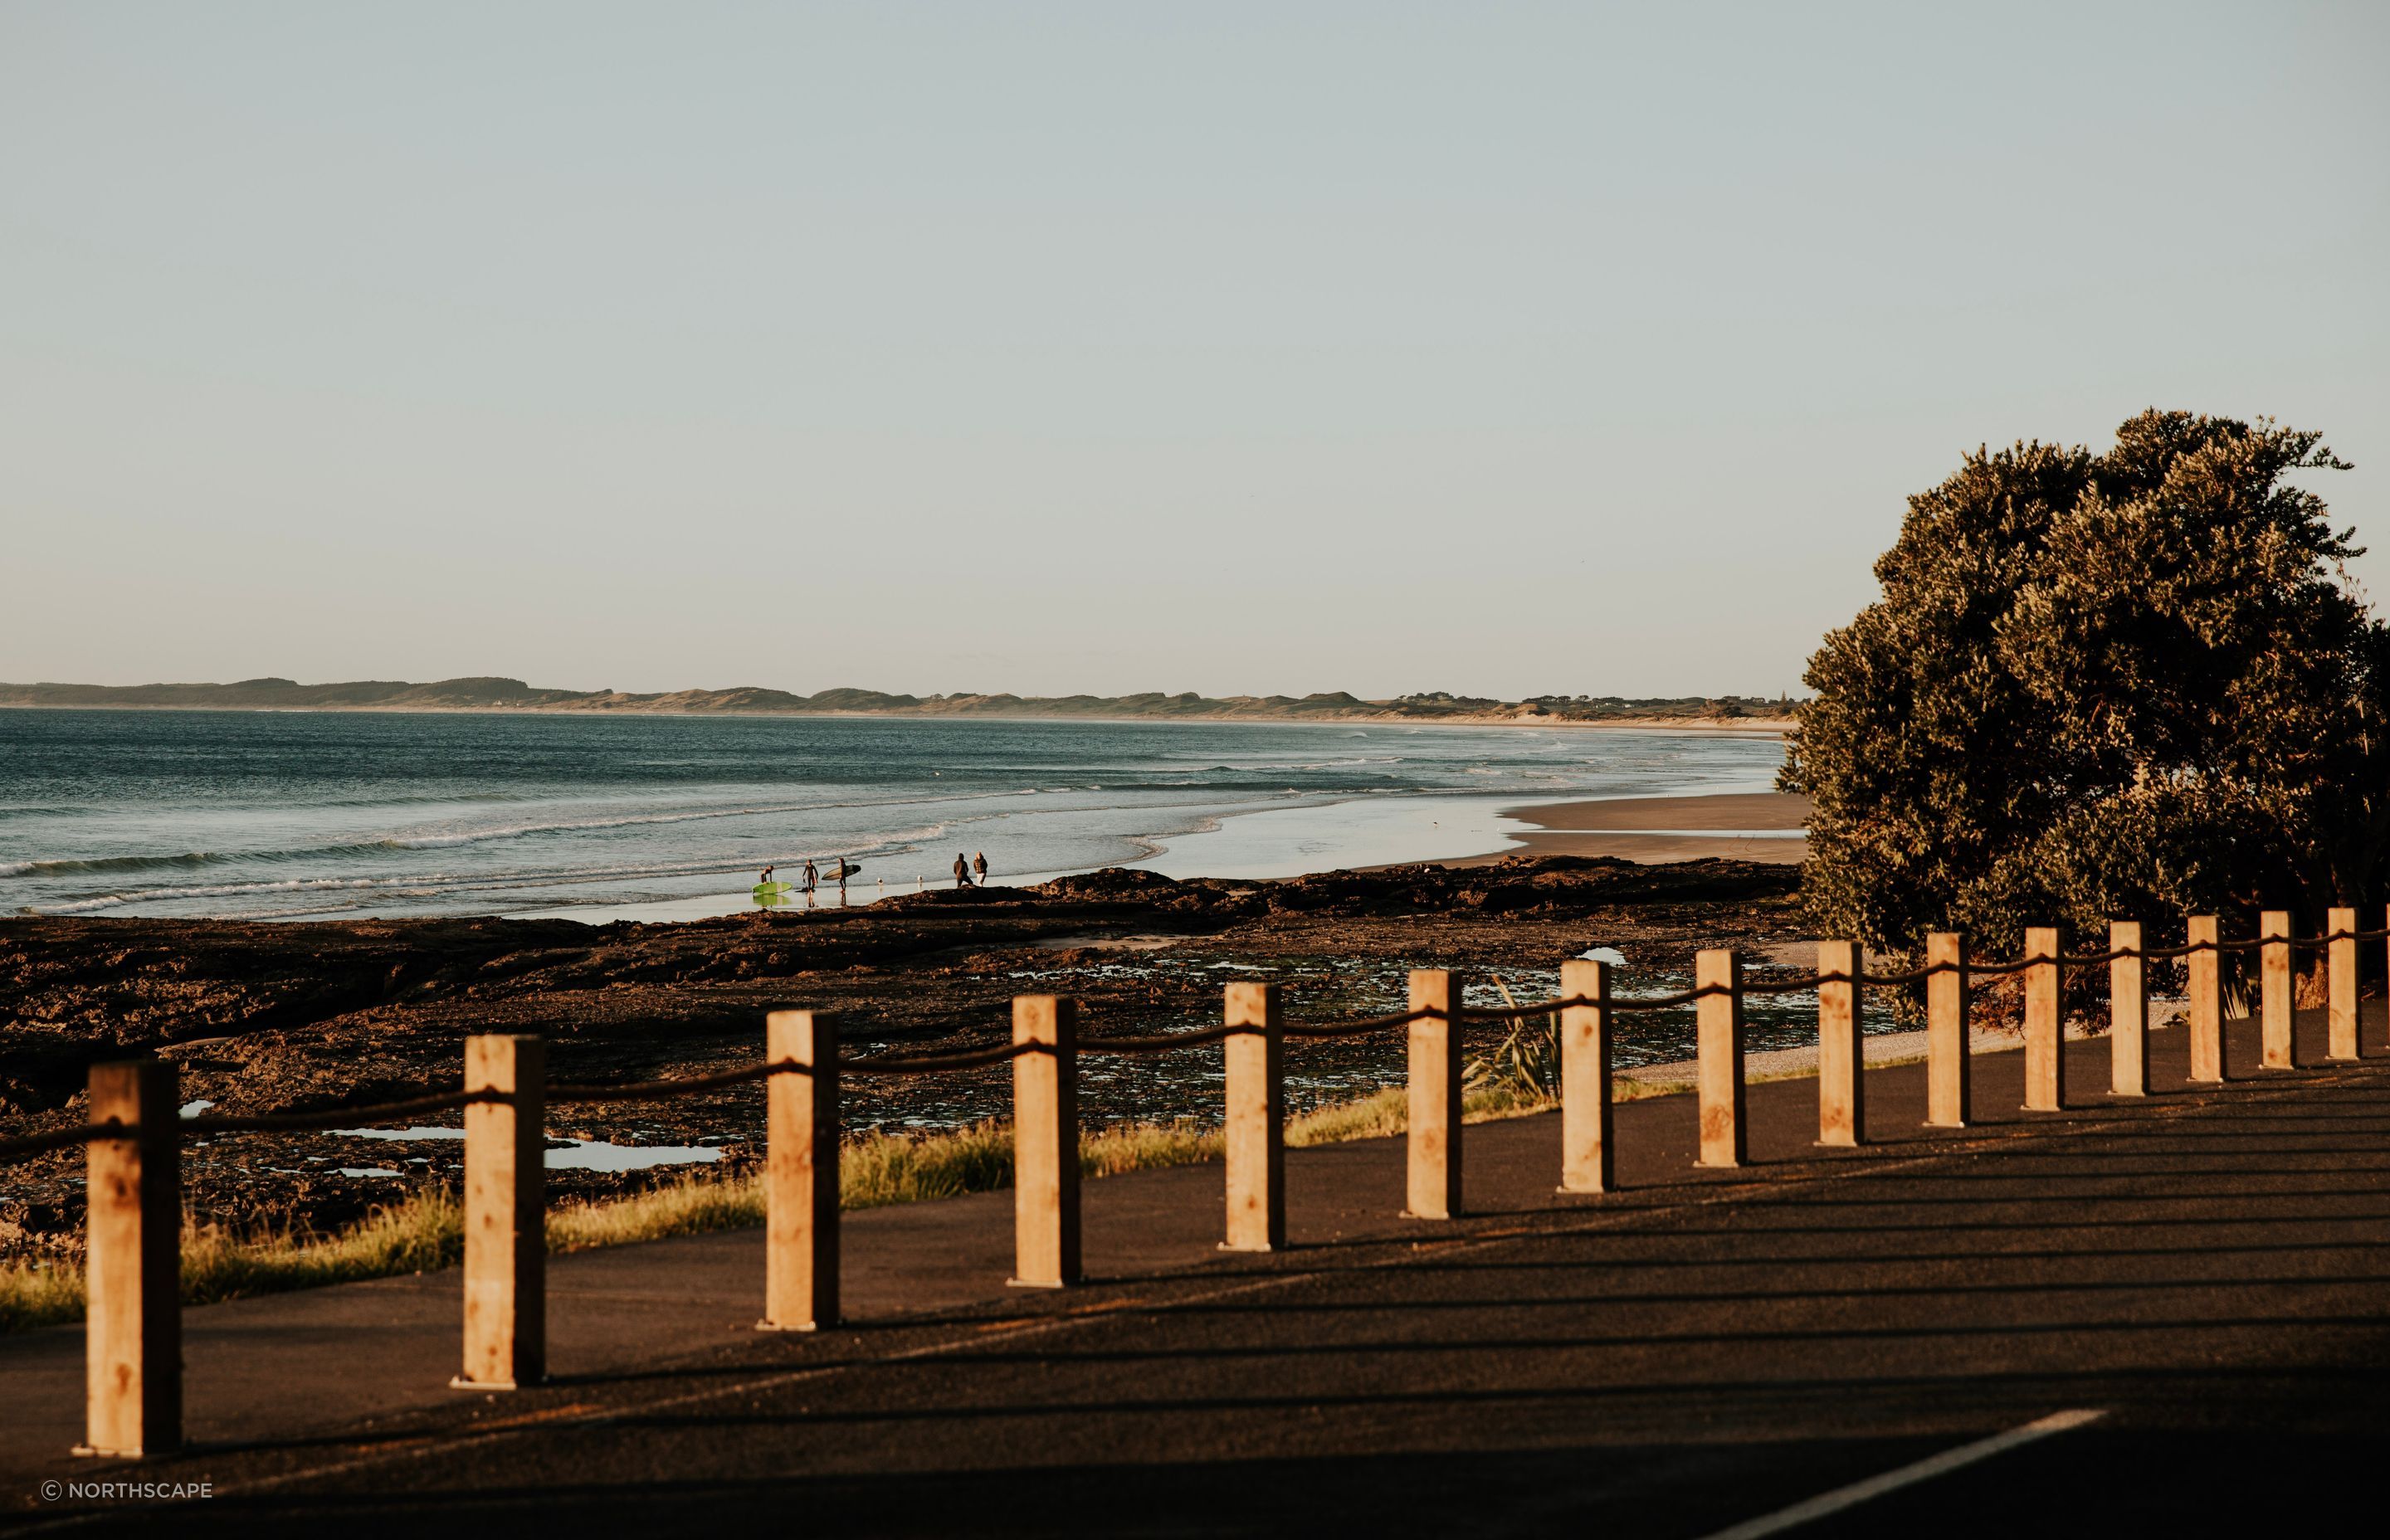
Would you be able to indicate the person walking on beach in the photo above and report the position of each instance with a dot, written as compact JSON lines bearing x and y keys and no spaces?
{"x":842,"y":881}
{"x":813,"y":881}
{"x":962,"y":871}
{"x":979,"y":865}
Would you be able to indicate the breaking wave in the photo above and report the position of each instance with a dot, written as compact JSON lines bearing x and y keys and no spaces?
{"x":420,"y":885}
{"x":231,"y":815}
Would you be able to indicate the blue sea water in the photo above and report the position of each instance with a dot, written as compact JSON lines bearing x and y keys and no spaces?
{"x":331,"y":814}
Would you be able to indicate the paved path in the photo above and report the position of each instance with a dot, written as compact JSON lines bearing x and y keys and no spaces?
{"x":2209,"y":1270}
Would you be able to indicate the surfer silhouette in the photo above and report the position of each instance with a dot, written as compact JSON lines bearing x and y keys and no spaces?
{"x":813,"y":881}
{"x":843,"y":869}
{"x":962,"y":871}
{"x":979,"y":867}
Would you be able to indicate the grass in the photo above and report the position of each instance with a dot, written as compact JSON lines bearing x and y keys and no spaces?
{"x":39,"y":1294}
{"x":425,"y":1231}
{"x":416,"y":1234}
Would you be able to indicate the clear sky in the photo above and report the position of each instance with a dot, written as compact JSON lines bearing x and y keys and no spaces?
{"x":1490,"y":348}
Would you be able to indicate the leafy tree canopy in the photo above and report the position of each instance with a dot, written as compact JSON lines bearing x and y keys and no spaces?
{"x":2135,"y":683}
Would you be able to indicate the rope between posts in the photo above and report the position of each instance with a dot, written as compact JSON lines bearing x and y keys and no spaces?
{"x":657,"y":1090}
{"x":1666,"y":1002}
{"x":2146,"y":953}
{"x":336,"y":1117}
{"x":333,"y":1117}
{"x":883,"y":1064}
{"x":2163,"y":954}
{"x":1164,"y":1042}
{"x":41,"y":1144}
{"x":2101,"y":960}
{"x":1354,"y":1027}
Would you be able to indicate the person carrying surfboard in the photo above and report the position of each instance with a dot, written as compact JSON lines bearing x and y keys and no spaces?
{"x":962,"y":871}
{"x":978,"y":866}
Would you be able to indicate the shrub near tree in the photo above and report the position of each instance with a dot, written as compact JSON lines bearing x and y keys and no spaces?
{"x":2131,"y":684}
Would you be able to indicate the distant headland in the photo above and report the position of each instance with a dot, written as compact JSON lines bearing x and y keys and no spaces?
{"x":1743,"y":713}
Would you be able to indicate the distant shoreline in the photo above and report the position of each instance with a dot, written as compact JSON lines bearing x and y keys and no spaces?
{"x":1772,"y":727}
{"x":491,"y":694}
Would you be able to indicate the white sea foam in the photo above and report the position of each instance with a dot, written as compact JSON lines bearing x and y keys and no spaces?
{"x":318,"y":814}
{"x":366,"y":849}
{"x":434,"y":884}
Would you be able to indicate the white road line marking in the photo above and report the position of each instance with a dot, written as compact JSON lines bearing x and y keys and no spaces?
{"x":1908,"y":1475}
{"x":1982,"y":1140}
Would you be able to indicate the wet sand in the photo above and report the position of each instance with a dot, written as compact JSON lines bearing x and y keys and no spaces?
{"x":1664,"y":828}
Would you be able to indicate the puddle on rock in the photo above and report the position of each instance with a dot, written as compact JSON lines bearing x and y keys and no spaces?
{"x":571,"y":1155}
{"x":1106,"y":943}
{"x":599,"y":1155}
{"x":403,"y":1134}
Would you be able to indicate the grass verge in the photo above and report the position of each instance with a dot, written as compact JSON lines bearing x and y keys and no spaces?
{"x":425,"y":1231}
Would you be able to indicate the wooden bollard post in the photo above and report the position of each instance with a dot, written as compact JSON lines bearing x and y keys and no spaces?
{"x":801,"y":1180}
{"x":1045,"y":1143}
{"x":1587,"y":1162}
{"x":2204,"y":966}
{"x":132,"y":1218}
{"x":1842,"y":1064}
{"x":1256,"y":1121}
{"x":2274,"y":999}
{"x":505,"y":1214}
{"x":2341,"y":955}
{"x":1718,"y":1033}
{"x":2129,"y":1012}
{"x":1434,"y":1186}
{"x":1946,"y":1078}
{"x":2045,"y":1035}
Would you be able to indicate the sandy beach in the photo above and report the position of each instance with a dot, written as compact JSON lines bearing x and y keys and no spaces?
{"x":1758,"y":825}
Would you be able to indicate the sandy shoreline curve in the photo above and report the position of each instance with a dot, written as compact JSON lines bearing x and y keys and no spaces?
{"x":1750,"y":826}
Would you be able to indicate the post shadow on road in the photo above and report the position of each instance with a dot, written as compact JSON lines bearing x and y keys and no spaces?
{"x":2310,"y":1109}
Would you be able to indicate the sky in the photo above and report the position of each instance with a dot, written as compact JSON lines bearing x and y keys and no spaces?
{"x":1490,"y":348}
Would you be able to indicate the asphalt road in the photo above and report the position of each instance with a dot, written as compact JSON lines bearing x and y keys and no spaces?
{"x":2206,"y":1270}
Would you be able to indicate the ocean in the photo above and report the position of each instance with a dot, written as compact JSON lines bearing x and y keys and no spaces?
{"x":299,"y":816}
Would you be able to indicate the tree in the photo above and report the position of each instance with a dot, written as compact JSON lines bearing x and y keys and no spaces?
{"x":2128,"y":683}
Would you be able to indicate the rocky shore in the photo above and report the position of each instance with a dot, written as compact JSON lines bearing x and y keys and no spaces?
{"x":265,"y":1017}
